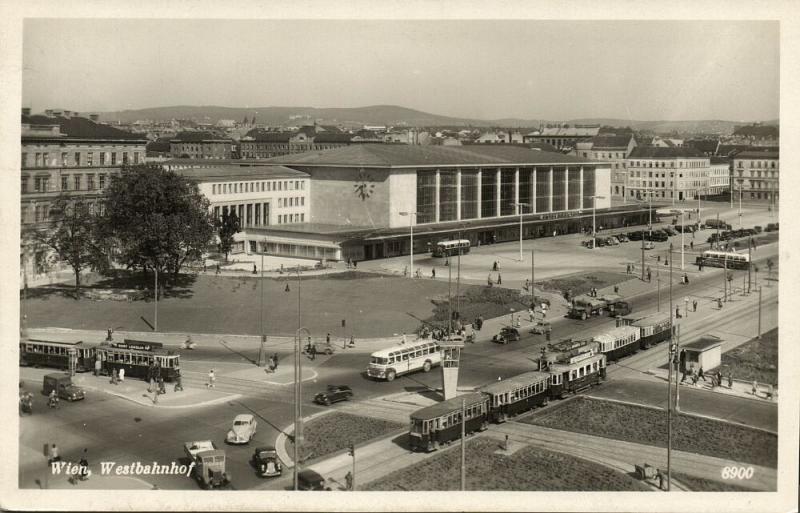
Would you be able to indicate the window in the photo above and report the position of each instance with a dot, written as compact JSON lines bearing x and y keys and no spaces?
{"x":113,"y":158}
{"x":102,"y":181}
{"x":303,"y":201}
{"x":102,"y":158}
{"x":136,"y":157}
{"x":302,"y":218}
{"x":24,"y":184}
{"x":214,"y":189}
{"x":90,"y":182}
{"x":77,"y":181}
{"x":63,"y":158}
{"x":77,"y":158}
{"x":64,"y":182}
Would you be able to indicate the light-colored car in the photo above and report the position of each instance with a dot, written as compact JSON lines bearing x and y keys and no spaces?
{"x":243,"y":429}
{"x":649,"y":245}
{"x":613,"y":241}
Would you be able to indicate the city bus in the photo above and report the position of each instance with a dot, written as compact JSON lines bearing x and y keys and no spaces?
{"x":56,"y":354}
{"x":447,"y":248}
{"x":404,"y":358}
{"x":137,"y":357}
{"x":729,"y":259}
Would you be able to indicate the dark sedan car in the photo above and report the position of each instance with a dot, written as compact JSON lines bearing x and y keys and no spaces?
{"x":266,"y":461}
{"x":506,"y":335}
{"x":333,"y":394}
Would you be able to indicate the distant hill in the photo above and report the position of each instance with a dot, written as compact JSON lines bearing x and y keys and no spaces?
{"x":393,"y":115}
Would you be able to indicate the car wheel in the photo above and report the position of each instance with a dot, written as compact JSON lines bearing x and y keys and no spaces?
{"x":390,"y":375}
{"x":426,"y":367}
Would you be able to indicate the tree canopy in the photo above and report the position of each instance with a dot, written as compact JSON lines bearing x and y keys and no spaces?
{"x":227,"y":227}
{"x":158,"y":220}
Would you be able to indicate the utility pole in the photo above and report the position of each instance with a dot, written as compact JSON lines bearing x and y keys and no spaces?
{"x":669,"y":385}
{"x":449,"y":298}
{"x":759,"y":313}
{"x":458,"y":280}
{"x":261,"y":356}
{"x":677,"y":360}
{"x":155,"y":316}
{"x":659,"y":294}
{"x":642,"y":255}
{"x":353,"y":454}
{"x":725,"y":279}
{"x":463,"y":445}
{"x":749,"y":260}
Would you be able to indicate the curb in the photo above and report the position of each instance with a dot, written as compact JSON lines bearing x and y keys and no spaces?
{"x":211,"y":402}
{"x":280,"y":441}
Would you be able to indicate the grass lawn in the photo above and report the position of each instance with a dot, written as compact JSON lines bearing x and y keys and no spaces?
{"x":373,"y":305}
{"x":700,"y":484}
{"x":649,"y":426}
{"x":478,"y":300}
{"x":755,"y":359}
{"x":333,"y":432}
{"x":528,"y":469}
{"x":581,"y":283}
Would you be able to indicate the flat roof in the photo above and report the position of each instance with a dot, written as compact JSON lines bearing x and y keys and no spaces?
{"x":403,"y":155}
{"x":451,"y":405}
{"x":225,"y":172}
{"x":528,"y":378}
{"x":704,"y":343}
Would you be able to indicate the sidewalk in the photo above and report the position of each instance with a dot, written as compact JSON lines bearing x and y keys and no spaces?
{"x":739,"y":388}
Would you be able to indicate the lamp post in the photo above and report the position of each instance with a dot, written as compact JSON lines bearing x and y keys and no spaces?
{"x":155,"y":296}
{"x":298,"y":380}
{"x":519,"y":211}
{"x":669,"y":380}
{"x":411,"y":218}
{"x":261,"y":355}
{"x":594,"y":223}
{"x":740,"y":204}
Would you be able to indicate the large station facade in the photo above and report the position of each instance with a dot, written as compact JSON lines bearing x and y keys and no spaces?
{"x":362,"y":199}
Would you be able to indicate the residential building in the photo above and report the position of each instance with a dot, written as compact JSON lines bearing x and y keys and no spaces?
{"x":562,"y":137}
{"x":719,"y":179}
{"x":63,"y":152}
{"x":201,"y":145}
{"x":260,"y":144}
{"x":756,"y":175}
{"x":615,"y":150}
{"x":674,"y":174}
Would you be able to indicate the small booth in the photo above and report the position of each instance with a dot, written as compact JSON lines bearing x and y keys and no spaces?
{"x":705,"y":353}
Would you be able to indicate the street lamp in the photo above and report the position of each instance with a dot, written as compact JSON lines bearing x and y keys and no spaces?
{"x":411,"y":218}
{"x":594,"y":228}
{"x":298,"y":379}
{"x":740,"y":204}
{"x":519,"y":211}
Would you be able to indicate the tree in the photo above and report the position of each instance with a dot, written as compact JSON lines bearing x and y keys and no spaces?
{"x":157,"y":219}
{"x":228,"y":226}
{"x":72,"y":235}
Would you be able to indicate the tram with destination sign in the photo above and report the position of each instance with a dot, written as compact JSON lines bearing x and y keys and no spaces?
{"x":140,"y":359}
{"x":440,"y":423}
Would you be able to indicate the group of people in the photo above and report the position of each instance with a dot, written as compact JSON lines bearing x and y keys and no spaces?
{"x":272,"y":362}
{"x":26,"y":403}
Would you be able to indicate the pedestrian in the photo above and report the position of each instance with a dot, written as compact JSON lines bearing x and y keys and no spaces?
{"x":212,"y":379}
{"x":660,"y":478}
{"x":658,"y":258}
{"x":355,"y":264}
{"x":694,"y":377}
{"x":691,"y":245}
{"x":648,"y":275}
{"x":755,"y":389}
{"x":275,"y":362}
{"x":677,"y":312}
{"x":161,"y":388}
{"x":255,"y":269}
{"x":349,"y":481}
{"x":701,"y":374}
{"x":121,"y":378}
{"x":97,"y":366}
{"x":685,"y":279}
{"x":505,"y":444}
{"x":616,"y":289}
{"x":109,"y":332}
{"x":114,"y":378}
{"x":730,"y":380}
{"x":666,"y":262}
{"x":53,"y":453}
{"x":313,"y":352}
{"x":694,"y":305}
{"x":217,"y":269}
{"x":352,"y":341}
{"x":84,"y":465}
{"x":178,"y":381}
{"x":405,"y":271}
{"x":530,"y":314}
{"x":328,"y":339}
{"x":403,"y":339}
{"x":433,"y":273}
{"x":499,"y":279}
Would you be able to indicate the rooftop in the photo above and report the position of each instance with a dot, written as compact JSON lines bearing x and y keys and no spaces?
{"x":655,"y":152}
{"x":610,"y":141}
{"x":437,"y":410}
{"x":197,"y":137}
{"x":516,"y":381}
{"x":232,"y":172}
{"x":80,"y":128}
{"x":757,"y":155}
{"x":704,"y":343}
{"x":573,"y":131}
{"x":401,"y":155}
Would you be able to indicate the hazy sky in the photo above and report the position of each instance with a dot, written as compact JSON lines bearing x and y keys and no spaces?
{"x":479,"y":69}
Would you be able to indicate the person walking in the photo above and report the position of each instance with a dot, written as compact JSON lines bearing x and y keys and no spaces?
{"x":178,"y":381}
{"x":255,"y":269}
{"x":701,"y":374}
{"x":730,"y":380}
{"x":685,"y":279}
{"x":53,"y":453}
{"x":648,"y":275}
{"x":348,"y":479}
{"x":694,"y":305}
{"x":433,"y":274}
{"x":755,"y":389}
{"x":691,"y":245}
{"x":121,"y":377}
{"x":212,"y":378}
{"x":275,"y":362}
{"x":616,"y":289}
{"x":109,"y":332}
{"x":499,"y":279}
{"x":97,"y":366}
{"x":505,"y":444}
{"x":114,"y":379}
{"x":217,"y":269}
{"x":312,"y":353}
{"x":660,"y":478}
{"x":328,"y":339}
{"x":162,"y":389}
{"x":352,"y":341}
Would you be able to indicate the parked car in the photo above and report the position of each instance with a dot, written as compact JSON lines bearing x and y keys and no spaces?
{"x":659,"y":236}
{"x":506,"y":335}
{"x":623,"y":238}
{"x":771,"y":227}
{"x":635,"y":235}
{"x":612,"y":241}
{"x":649,"y":245}
{"x":265,"y":460}
{"x":243,"y":429}
{"x":319,"y":348}
{"x":541,"y":328}
{"x":334,"y":394}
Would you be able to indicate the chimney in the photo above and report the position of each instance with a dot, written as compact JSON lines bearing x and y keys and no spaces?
{"x":94,"y":117}
{"x":26,"y":111}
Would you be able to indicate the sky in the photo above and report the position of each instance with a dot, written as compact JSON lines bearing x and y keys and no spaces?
{"x":557,"y":70}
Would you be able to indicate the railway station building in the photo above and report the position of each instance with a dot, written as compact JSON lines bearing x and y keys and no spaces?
{"x":360,"y":201}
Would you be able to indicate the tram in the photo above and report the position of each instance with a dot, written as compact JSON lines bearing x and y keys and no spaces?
{"x":440,"y":423}
{"x":619,"y":342}
{"x":139,"y":359}
{"x":56,"y":354}
{"x":512,"y":396}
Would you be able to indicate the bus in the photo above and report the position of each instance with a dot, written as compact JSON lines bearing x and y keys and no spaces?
{"x":56,"y":354}
{"x":447,"y":248}
{"x":138,"y":358}
{"x":440,"y":423}
{"x":729,"y":259}
{"x":404,"y":358}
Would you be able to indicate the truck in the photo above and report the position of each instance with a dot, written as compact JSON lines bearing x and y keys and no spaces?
{"x":585,"y":306}
{"x":62,"y":384}
{"x":209,"y":468}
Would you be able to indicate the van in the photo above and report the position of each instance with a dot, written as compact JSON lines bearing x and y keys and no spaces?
{"x":62,"y":384}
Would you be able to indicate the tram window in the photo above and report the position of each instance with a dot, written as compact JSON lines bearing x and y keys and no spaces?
{"x":574,"y":374}
{"x":581,"y":372}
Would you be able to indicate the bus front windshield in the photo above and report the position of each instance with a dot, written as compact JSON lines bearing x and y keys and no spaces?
{"x":379,"y":361}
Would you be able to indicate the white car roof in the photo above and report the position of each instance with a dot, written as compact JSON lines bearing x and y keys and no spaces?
{"x":243,"y":417}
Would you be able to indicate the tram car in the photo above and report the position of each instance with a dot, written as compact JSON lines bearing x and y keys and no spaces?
{"x":619,"y":342}
{"x":729,"y":259}
{"x":440,"y":423}
{"x":139,"y":358}
{"x":56,"y":354}
{"x":512,"y":396}
{"x":653,"y":329}
{"x":574,"y":372}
